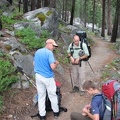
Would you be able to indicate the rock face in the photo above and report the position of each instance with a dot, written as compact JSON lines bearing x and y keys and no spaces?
{"x":4,"y":4}
{"x":40,"y":19}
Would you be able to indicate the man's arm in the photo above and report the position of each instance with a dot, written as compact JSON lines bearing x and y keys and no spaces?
{"x":54,"y":65}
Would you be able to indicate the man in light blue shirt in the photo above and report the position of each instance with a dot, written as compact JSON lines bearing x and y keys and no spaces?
{"x":44,"y":64}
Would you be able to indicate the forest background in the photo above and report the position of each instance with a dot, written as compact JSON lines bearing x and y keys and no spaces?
{"x":103,"y":15}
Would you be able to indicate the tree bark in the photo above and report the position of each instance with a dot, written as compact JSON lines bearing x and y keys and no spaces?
{"x":93,"y":15}
{"x":116,"y":21}
{"x":46,"y":3}
{"x":72,"y":12}
{"x":103,"y":18}
{"x":85,"y":19}
{"x":10,"y":1}
{"x":39,"y":3}
{"x":63,"y":11}
{"x":33,"y":3}
{"x":109,"y":17}
{"x":53,"y":3}
{"x":0,"y":24}
{"x":25,"y":6}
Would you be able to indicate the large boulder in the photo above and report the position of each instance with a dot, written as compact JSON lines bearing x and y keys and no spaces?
{"x":40,"y":19}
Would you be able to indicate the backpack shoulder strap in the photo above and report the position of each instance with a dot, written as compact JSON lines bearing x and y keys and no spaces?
{"x":71,"y":48}
{"x":81,"y":42}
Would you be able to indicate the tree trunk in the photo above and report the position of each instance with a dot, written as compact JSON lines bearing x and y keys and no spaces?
{"x":25,"y":6}
{"x":116,"y":21}
{"x":33,"y":3}
{"x":0,"y":24}
{"x":93,"y":16}
{"x":66,"y":10}
{"x":72,"y":12}
{"x":109,"y":17}
{"x":63,"y":10}
{"x":53,"y":3}
{"x":10,"y":1}
{"x":103,"y":18}
{"x":85,"y":19}
{"x":46,"y":3}
{"x":39,"y":4}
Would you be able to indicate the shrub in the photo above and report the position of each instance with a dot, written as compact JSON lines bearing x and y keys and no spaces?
{"x":7,"y":75}
{"x":28,"y":37}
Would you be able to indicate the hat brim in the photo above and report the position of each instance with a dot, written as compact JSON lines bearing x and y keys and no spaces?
{"x":55,"y":45}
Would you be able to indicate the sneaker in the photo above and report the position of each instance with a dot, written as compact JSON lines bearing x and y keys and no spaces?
{"x":82,"y":93}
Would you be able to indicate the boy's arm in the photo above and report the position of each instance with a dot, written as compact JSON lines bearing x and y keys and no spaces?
{"x":93,"y":117}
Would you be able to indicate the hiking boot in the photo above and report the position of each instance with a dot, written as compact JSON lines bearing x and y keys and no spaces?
{"x":82,"y":93}
{"x":75,"y":89}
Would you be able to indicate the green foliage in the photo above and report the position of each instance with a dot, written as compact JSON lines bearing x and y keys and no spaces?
{"x":7,"y":74}
{"x":1,"y":103}
{"x":110,"y":71}
{"x":28,"y":37}
{"x":105,"y":73}
{"x":116,"y":63}
{"x":2,"y":54}
{"x":117,"y":47}
{"x":9,"y":21}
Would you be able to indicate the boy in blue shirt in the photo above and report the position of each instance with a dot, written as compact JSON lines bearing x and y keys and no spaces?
{"x":92,"y":111}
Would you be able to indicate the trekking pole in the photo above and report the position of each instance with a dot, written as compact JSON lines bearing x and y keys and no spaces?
{"x":20,"y":69}
{"x":91,"y":67}
{"x":70,"y":74}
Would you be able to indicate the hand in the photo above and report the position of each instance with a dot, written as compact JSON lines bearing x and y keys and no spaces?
{"x":72,"y":59}
{"x":86,"y":109}
{"x":87,"y":106}
{"x":77,"y":61}
{"x":56,"y":62}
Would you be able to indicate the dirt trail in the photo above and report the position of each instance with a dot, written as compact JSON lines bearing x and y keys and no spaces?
{"x":22,"y":102}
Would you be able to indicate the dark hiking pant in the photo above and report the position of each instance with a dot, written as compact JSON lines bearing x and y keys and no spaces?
{"x":78,"y":116}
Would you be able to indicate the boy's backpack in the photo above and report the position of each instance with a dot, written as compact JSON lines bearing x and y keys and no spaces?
{"x":105,"y":109}
{"x":82,"y":35}
{"x":111,"y":90}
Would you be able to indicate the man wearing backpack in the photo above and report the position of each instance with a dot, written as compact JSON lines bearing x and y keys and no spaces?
{"x":93,"y":111}
{"x":77,"y":56}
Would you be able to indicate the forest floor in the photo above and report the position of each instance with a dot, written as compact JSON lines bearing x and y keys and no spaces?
{"x":19,"y":104}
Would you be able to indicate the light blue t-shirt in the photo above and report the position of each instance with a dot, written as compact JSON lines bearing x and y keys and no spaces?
{"x":42,"y":60}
